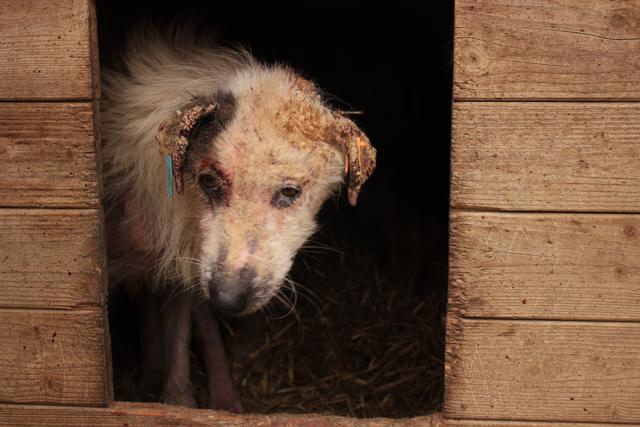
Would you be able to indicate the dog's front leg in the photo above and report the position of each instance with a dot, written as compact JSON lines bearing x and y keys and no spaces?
{"x":152,"y":346}
{"x":222,"y":394}
{"x":176,"y":320}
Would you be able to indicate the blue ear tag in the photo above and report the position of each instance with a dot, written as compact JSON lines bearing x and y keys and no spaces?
{"x":168,"y":162}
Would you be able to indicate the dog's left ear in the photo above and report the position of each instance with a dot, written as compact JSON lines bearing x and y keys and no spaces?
{"x":174,"y":135}
{"x":341,"y":132}
{"x":360,"y":156}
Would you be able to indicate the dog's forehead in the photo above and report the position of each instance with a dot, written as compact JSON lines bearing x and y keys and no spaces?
{"x":280,"y":121}
{"x":287,"y":104}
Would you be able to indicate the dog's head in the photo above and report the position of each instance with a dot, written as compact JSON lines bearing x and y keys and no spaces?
{"x":256,"y":160}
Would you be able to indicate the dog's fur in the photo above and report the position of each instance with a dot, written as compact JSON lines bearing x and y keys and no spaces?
{"x":240,"y":135}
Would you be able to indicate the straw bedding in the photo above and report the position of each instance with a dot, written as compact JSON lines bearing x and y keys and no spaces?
{"x":360,"y":346}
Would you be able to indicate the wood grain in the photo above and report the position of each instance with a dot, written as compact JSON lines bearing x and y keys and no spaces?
{"x":45,"y":50}
{"x":450,"y":422}
{"x":546,"y":156}
{"x":545,"y":266}
{"x":48,"y":155}
{"x":547,"y":49}
{"x":149,"y":414}
{"x":50,"y":258}
{"x":52,"y":357}
{"x":543,"y":371}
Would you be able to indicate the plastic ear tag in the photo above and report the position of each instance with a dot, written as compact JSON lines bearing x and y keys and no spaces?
{"x":168,"y":162}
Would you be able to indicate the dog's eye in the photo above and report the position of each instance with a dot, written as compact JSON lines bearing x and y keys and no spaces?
{"x":290,"y":192}
{"x":209,"y":182}
{"x":286,"y":196}
{"x":216,"y":186}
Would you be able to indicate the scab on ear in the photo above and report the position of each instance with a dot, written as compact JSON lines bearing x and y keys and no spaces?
{"x":360,"y":155}
{"x":173,"y":137}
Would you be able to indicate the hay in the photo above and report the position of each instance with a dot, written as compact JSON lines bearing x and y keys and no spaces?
{"x":357,"y":345}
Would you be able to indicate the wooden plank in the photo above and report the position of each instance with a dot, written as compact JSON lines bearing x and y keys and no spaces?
{"x":53,"y":357}
{"x":46,"y":51}
{"x":545,"y":266}
{"x":546,"y":156}
{"x":149,"y":414}
{"x":48,"y":155}
{"x":50,"y":258}
{"x":547,"y":49}
{"x":543,"y":371}
{"x":450,"y":422}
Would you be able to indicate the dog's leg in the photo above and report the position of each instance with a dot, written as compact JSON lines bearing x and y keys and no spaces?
{"x":153,"y":362}
{"x":222,"y":394}
{"x":176,"y":319}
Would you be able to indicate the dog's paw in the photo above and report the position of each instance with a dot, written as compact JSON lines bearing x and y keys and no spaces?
{"x":179,"y":396}
{"x":225,"y":399}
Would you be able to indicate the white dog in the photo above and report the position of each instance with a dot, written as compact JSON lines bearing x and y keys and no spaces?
{"x":250,"y":151}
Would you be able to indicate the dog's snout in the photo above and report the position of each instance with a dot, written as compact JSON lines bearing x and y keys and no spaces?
{"x":231,"y":295}
{"x":229,"y":301}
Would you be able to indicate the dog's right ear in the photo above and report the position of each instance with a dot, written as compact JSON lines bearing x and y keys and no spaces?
{"x":174,"y":136}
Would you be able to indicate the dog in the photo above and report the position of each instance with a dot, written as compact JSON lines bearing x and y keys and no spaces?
{"x":214,"y":168}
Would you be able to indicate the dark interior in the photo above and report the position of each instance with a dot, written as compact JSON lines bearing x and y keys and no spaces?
{"x":368,"y":336}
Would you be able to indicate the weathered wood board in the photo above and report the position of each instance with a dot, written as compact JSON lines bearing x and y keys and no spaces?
{"x":563,"y":256}
{"x":47,"y":50}
{"x":450,"y":422}
{"x":547,"y":49}
{"x":545,"y":266}
{"x":51,"y":258}
{"x":53,"y":330}
{"x":53,"y":357}
{"x":48,"y":155}
{"x":152,"y":415}
{"x":546,"y":156}
{"x":543,"y":371}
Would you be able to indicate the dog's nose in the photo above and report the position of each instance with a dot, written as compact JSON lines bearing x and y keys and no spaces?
{"x":231,"y":297}
{"x":233,"y":301}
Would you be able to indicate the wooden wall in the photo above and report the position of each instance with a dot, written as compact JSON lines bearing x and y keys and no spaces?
{"x":544,"y":322}
{"x":544,"y":318}
{"x":53,"y":327}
